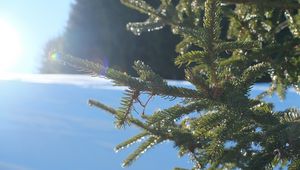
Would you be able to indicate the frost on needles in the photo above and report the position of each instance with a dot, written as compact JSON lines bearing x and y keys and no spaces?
{"x":222,"y":62}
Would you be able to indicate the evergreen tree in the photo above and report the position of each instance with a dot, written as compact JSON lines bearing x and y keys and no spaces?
{"x":96,"y":30}
{"x":216,"y":123}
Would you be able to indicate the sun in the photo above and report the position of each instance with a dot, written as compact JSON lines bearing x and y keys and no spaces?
{"x":10,"y":47}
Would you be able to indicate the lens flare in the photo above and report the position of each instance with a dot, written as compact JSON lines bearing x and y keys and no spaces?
{"x":54,"y":56}
{"x":105,"y":64}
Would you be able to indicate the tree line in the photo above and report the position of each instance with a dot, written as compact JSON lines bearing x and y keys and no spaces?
{"x":96,"y":30}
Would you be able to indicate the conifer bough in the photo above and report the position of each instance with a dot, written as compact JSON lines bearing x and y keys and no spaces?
{"x":216,"y":123}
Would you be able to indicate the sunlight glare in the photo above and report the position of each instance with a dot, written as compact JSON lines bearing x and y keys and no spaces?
{"x":10,"y":47}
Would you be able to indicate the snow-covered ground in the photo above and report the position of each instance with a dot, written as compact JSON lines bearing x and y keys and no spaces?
{"x":46,"y":124}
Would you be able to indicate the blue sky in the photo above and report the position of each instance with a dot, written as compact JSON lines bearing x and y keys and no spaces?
{"x":35,"y":21}
{"x":46,"y":124}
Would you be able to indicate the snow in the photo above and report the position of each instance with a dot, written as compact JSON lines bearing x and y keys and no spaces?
{"x":46,"y":124}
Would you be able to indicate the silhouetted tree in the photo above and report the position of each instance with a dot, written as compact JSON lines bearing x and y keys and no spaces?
{"x":96,"y":30}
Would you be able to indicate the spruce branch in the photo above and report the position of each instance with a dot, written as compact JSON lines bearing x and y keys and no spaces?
{"x":195,"y":160}
{"x":139,"y":5}
{"x":293,"y":25}
{"x":199,"y":80}
{"x":291,"y":115}
{"x":211,"y":24}
{"x":198,"y":57}
{"x":268,"y":92}
{"x":222,"y":64}
{"x":184,"y":45}
{"x":206,"y":122}
{"x":176,"y":112}
{"x":281,"y":4}
{"x":295,"y":164}
{"x":127,"y":102}
{"x":252,"y":73}
{"x":131,"y":141}
{"x":237,"y":45}
{"x":180,"y":168}
{"x":139,"y":123}
{"x":149,"y":25}
{"x":155,"y":89}
{"x":147,"y":74}
{"x":122,"y":79}
{"x":141,"y":150}
{"x":158,"y":15}
{"x":212,"y":29}
{"x":238,"y":24}
{"x":116,"y":113}
{"x":103,"y":107}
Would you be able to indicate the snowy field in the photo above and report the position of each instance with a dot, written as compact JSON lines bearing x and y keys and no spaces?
{"x":46,"y":124}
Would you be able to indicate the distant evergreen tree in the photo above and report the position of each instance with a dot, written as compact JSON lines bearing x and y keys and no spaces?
{"x":96,"y":31}
{"x":216,"y":123}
